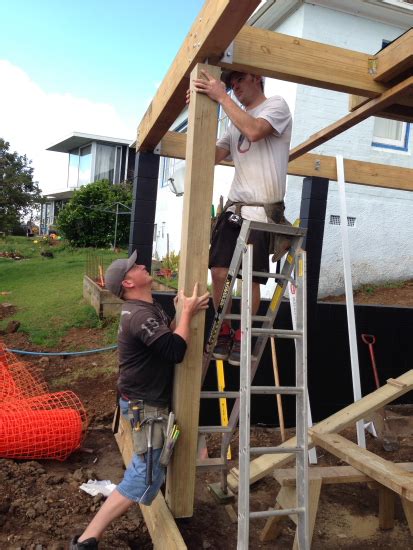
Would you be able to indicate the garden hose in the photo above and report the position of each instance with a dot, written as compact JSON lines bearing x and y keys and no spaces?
{"x":61,"y":353}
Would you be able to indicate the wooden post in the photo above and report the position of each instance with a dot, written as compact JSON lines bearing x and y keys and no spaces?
{"x":196,"y":224}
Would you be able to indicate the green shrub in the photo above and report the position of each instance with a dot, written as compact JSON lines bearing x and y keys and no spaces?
{"x":89,"y":217}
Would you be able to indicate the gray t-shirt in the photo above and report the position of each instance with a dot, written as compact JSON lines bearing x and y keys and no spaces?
{"x":260,"y":167}
{"x":142,"y":373}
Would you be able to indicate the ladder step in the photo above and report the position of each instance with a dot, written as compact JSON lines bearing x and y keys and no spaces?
{"x":237,"y":317}
{"x":272,"y":513}
{"x":212,"y":464}
{"x":280,"y":333}
{"x":271,"y":275}
{"x":281,"y":390}
{"x":256,"y":390}
{"x":214,"y":429}
{"x":278,"y":228}
{"x":215,"y":394}
{"x":275,"y":450}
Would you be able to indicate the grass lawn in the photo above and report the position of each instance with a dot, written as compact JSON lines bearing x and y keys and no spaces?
{"x":48,"y":291}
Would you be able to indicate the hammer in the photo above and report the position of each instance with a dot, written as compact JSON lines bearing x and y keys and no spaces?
{"x":150,"y":420}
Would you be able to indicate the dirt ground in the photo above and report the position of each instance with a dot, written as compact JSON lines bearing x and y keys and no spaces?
{"x":41,"y":505}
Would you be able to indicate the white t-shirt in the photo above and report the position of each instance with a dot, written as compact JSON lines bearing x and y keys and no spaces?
{"x":260,"y":167}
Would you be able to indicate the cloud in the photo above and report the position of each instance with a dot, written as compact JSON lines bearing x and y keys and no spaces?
{"x":32,"y":119}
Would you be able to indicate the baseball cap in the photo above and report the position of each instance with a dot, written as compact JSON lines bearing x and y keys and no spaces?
{"x":226,"y":77}
{"x":116,"y":272}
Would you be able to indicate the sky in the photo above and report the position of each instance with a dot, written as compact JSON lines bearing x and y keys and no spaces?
{"x":86,"y":66}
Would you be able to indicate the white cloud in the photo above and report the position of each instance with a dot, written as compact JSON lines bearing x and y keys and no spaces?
{"x":32,"y":119}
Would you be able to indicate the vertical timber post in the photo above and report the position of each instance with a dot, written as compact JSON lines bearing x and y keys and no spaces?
{"x":193,"y":267}
{"x":145,"y":189}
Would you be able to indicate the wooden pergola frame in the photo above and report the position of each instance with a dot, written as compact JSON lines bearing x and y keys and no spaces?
{"x":219,"y":37}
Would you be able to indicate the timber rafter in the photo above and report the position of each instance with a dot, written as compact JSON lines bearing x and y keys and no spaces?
{"x":173,"y":145}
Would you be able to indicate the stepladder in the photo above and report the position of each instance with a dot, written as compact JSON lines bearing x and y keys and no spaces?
{"x":249,"y":363}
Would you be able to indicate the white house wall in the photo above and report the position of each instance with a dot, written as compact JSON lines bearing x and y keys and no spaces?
{"x":383,"y":228}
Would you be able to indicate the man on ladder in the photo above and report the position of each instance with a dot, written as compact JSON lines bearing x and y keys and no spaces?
{"x":258,"y":141}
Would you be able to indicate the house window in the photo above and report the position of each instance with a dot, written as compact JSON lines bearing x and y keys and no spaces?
{"x":73,"y":169}
{"x":391,"y":134}
{"x":105,"y":162}
{"x":85,"y":165}
{"x":335,"y":219}
{"x":406,"y":4}
{"x":169,"y":165}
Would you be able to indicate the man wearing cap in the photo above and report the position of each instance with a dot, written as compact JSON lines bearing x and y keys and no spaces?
{"x":258,"y":141}
{"x":149,"y":345}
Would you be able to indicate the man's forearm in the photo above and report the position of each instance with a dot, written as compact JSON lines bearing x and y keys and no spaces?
{"x":249,"y":126}
{"x":183,"y":326}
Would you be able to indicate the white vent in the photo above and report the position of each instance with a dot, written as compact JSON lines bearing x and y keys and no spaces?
{"x":336,"y":220}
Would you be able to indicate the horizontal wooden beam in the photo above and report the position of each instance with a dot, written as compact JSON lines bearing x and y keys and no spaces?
{"x":266,"y":464}
{"x":402,"y":111}
{"x":363,"y":173}
{"x":386,"y":473}
{"x":395,"y":59}
{"x":302,"y":61}
{"x":158,"y":518}
{"x":214,"y":28}
{"x":386,"y":99}
{"x":330,"y":475}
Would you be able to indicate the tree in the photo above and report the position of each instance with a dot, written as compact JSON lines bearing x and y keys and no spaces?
{"x":19,"y":194}
{"x":89,"y":217}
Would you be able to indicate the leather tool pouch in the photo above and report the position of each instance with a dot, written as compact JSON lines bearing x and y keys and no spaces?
{"x":140,"y":433}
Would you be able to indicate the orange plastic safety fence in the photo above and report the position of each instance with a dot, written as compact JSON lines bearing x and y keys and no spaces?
{"x":35,"y":423}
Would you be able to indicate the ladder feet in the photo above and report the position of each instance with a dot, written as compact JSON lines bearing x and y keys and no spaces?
{"x":217,"y":492}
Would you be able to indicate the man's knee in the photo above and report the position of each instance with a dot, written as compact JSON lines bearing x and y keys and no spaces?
{"x":219,"y":274}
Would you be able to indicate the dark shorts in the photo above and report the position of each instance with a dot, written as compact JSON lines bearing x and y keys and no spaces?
{"x":223,"y":244}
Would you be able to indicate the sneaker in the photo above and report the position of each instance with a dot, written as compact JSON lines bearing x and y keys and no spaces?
{"x":88,"y":544}
{"x":224,"y":342}
{"x":235,"y":355}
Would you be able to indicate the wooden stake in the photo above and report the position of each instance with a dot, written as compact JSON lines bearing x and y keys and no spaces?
{"x":277,"y":384}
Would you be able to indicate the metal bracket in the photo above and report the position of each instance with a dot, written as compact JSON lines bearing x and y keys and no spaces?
{"x":157,"y":149}
{"x":228,"y":56}
{"x":317,"y":164}
{"x":372,"y":65}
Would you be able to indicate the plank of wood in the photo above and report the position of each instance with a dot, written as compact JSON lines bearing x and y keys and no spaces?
{"x":386,"y":508}
{"x":387,"y":98}
{"x":212,"y":31}
{"x":173,"y":145}
{"x":272,"y":527}
{"x":396,"y":58}
{"x":265,"y":464}
{"x":158,"y":518}
{"x":383,"y":471}
{"x":193,"y":267}
{"x":408,"y":511}
{"x":330,"y":475}
{"x":302,"y":61}
{"x":401,"y":111}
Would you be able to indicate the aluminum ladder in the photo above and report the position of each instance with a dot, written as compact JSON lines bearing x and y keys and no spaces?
{"x":296,"y":235}
{"x":300,"y":392}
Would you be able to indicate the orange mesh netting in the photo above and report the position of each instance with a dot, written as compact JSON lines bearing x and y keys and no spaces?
{"x":35,"y":423}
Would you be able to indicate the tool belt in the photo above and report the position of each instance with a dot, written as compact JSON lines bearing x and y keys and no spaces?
{"x":138,"y":411}
{"x":274,"y":211}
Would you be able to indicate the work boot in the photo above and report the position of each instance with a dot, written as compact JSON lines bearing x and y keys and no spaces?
{"x":235,"y":355}
{"x":224,"y":341}
{"x":88,"y":544}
